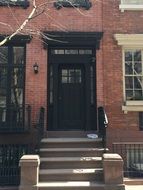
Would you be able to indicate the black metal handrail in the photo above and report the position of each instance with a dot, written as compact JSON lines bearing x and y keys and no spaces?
{"x":40,"y":126}
{"x":15,"y":118}
{"x":103,"y":124}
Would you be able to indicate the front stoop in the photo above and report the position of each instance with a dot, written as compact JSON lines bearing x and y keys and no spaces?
{"x":72,"y":164}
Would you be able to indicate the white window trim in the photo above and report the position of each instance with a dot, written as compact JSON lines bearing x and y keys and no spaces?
{"x":124,"y":7}
{"x":130,"y":42}
{"x":130,"y":5}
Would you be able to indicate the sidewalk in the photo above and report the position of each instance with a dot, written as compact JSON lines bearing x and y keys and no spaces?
{"x":134,"y":187}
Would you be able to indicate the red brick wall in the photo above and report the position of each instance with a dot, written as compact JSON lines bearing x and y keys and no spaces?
{"x":103,"y":16}
{"x":65,"y":19}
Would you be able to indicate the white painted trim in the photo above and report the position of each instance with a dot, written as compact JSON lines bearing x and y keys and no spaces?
{"x":124,"y":7}
{"x":134,"y":103}
{"x":132,"y":108}
{"x":130,"y":40}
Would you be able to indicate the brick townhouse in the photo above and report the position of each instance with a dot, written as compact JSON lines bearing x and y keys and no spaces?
{"x":71,"y":59}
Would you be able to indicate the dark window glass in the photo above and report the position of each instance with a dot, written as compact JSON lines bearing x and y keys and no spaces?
{"x":23,"y":3}
{"x":11,"y":75}
{"x":72,"y":3}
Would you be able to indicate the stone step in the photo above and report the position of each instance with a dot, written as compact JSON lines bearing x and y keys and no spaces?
{"x":71,"y":174}
{"x":69,"y":134}
{"x":77,"y":185}
{"x":70,"y":162}
{"x":65,"y":152}
{"x":70,"y":143}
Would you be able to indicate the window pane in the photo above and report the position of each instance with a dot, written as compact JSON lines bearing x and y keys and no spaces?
{"x":129,"y":82}
{"x":138,"y":82}
{"x":3,"y":55}
{"x":78,"y":76}
{"x":85,"y":51}
{"x":71,"y":51}
{"x":137,"y":56}
{"x":137,"y":68}
{"x":16,"y":96}
{"x":128,"y":68}
{"x":3,"y":77}
{"x":138,"y":95}
{"x":64,"y":79}
{"x":2,"y":96}
{"x":64,"y":72}
{"x":128,"y":56}
{"x":18,"y":77}
{"x":129,"y":94}
{"x":18,"y":55}
{"x":57,"y":51}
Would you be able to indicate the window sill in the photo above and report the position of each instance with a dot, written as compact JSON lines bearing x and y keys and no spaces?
{"x":130,"y":7}
{"x":134,"y":108}
{"x":134,"y":103}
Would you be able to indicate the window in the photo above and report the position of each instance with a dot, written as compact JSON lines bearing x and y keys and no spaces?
{"x":131,"y":5}
{"x":133,"y":75}
{"x":132,"y":46}
{"x":12,"y":72}
{"x":23,"y":3}
{"x":72,"y":3}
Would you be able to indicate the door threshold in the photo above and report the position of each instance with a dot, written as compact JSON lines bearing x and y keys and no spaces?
{"x":70,"y":134}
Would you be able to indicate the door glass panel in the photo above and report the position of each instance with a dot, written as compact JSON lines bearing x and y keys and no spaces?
{"x":51,"y":84}
{"x":18,"y":55}
{"x":71,"y":76}
{"x":72,"y":51}
{"x":3,"y":55}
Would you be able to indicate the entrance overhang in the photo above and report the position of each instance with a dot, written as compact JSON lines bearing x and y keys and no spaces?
{"x":84,"y":39}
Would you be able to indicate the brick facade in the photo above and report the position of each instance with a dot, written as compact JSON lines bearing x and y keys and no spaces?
{"x":103,"y":16}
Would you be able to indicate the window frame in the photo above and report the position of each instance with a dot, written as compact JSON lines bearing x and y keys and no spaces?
{"x":21,"y":3}
{"x":129,"y":41}
{"x":130,"y":102}
{"x":10,"y":66}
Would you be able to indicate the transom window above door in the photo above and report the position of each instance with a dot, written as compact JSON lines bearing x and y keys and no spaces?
{"x":72,"y":51}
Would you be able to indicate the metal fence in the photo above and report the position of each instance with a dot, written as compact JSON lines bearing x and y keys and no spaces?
{"x":10,"y":155}
{"x":132,"y":154}
{"x":15,"y":118}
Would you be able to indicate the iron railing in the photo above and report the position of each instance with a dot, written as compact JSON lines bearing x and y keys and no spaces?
{"x":10,"y":155}
{"x":40,"y":126}
{"x":132,"y":154}
{"x":102,"y":123}
{"x":15,"y":118}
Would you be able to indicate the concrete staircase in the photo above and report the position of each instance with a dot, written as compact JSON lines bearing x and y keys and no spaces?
{"x":72,"y":164}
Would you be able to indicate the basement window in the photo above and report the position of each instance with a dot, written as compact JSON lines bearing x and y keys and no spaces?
{"x":72,"y":3}
{"x":133,"y":5}
{"x":22,"y":3}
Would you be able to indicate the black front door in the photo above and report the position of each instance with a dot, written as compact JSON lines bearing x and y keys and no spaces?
{"x":72,"y":100}
{"x":71,"y":97}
